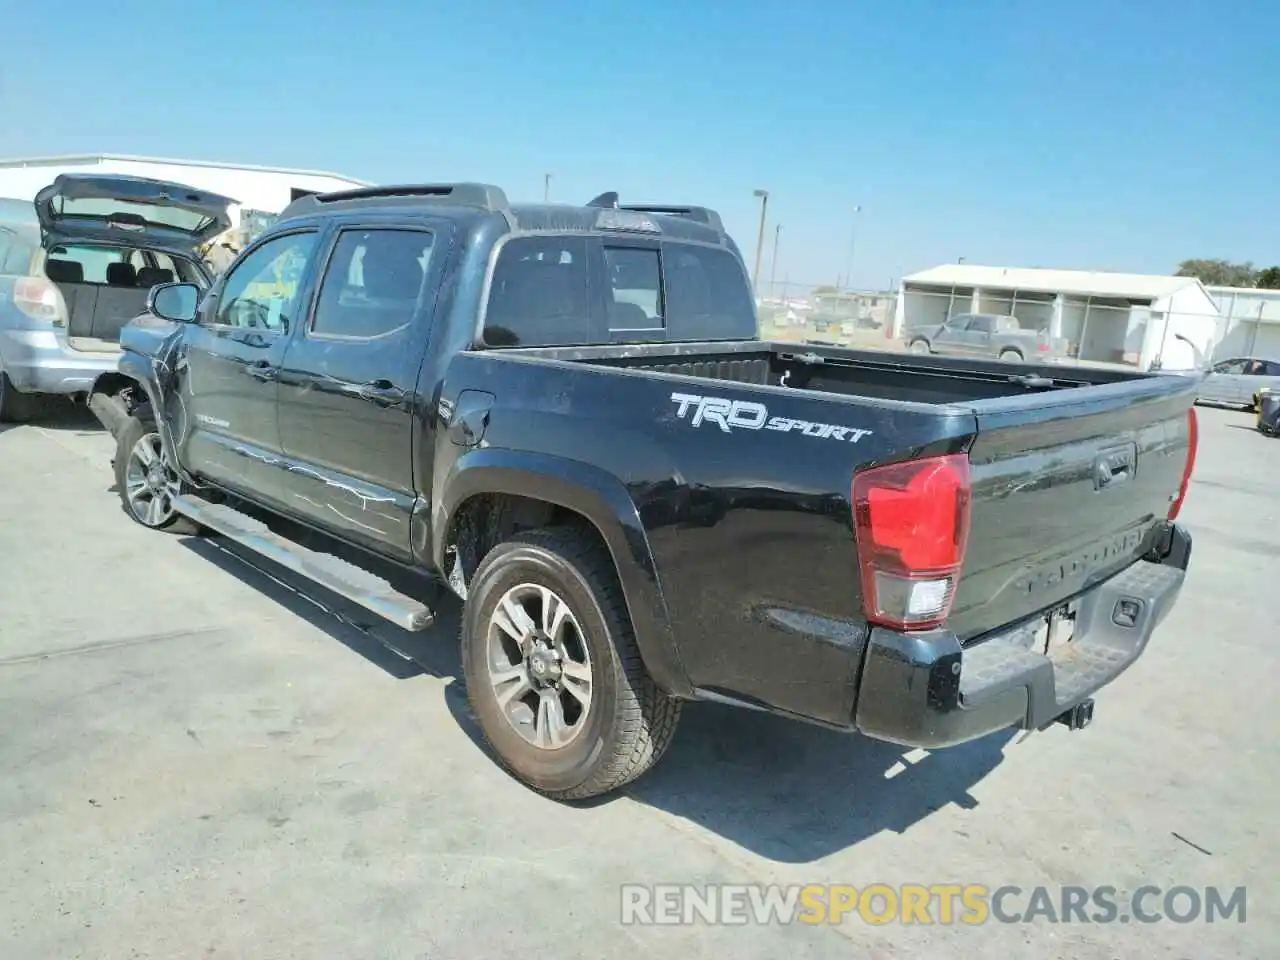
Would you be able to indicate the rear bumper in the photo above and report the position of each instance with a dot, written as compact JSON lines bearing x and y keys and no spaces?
{"x":37,"y":361}
{"x":925,"y":690}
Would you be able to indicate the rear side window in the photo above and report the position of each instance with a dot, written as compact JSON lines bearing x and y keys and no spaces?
{"x":372,"y":283}
{"x":708,"y":295}
{"x":539,"y":295}
{"x":981,"y":324}
{"x":17,"y":262}
{"x":93,"y":260}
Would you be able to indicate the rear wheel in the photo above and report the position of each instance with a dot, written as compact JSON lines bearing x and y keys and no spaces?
{"x":145,"y":480}
{"x":1010,"y":356}
{"x":554,"y":675}
{"x":15,"y":407}
{"x":919,"y":346}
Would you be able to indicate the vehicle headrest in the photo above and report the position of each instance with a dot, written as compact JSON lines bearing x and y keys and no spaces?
{"x":151,"y":276}
{"x":121,"y":274}
{"x":391,"y":269}
{"x":64,"y":271}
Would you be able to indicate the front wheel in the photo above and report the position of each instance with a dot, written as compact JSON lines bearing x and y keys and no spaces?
{"x":919,"y":346}
{"x":145,"y":480}
{"x":553,"y":672}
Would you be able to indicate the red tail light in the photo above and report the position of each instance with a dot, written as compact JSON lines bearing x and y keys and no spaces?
{"x":39,"y":299}
{"x":912,"y":523}
{"x":1193,"y":445}
{"x":1042,"y":347}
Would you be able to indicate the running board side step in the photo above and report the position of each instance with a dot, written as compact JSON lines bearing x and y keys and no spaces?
{"x":344,"y":579}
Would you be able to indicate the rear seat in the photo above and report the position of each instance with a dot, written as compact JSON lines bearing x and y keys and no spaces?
{"x":96,"y":311}
{"x":118,"y":302}
{"x":81,"y":298}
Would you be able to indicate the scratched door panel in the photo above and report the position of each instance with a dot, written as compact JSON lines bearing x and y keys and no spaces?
{"x":347,"y":386}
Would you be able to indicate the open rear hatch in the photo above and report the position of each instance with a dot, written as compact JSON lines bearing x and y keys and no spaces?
{"x":118,"y":208}
{"x":1066,"y":491}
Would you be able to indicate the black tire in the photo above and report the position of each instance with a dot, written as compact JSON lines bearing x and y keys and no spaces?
{"x":133,"y":430}
{"x":1011,"y":356}
{"x":630,"y":722}
{"x":15,"y":407}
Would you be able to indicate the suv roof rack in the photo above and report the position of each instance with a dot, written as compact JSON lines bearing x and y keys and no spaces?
{"x":482,"y":195}
{"x":697,"y":214}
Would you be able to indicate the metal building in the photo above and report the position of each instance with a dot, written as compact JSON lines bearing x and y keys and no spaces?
{"x":1110,"y":317}
{"x":260,"y":192}
{"x":1250,"y":325}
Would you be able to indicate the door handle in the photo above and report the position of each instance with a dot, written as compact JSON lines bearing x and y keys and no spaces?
{"x":261,"y":370}
{"x":382,"y":392}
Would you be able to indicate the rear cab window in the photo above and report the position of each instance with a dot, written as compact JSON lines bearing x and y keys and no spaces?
{"x":576,"y":290}
{"x":539,"y":295}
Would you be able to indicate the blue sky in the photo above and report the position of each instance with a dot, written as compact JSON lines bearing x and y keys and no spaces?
{"x":1124,"y":135}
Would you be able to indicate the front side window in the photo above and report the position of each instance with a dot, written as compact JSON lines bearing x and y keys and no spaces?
{"x":538,"y":296}
{"x":635,"y":284}
{"x":262,"y":291}
{"x":372,"y":283}
{"x":1230,"y":366}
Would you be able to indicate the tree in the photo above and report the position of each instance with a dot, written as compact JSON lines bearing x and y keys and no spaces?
{"x":1219,"y":273}
{"x":1269,"y":278}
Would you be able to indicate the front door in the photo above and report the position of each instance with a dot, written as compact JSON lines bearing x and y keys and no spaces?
{"x":227,"y":425}
{"x":348,"y":384}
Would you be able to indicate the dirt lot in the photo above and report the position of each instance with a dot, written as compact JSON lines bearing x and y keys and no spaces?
{"x":201,"y":763}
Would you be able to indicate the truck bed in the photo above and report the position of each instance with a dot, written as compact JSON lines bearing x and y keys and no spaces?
{"x":868,"y":374}
{"x":1046,"y":524}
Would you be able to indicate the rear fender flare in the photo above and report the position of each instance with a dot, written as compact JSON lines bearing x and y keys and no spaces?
{"x":604,"y":501}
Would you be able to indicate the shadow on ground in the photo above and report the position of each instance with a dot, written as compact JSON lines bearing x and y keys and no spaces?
{"x":783,"y":790}
{"x":59,"y":413}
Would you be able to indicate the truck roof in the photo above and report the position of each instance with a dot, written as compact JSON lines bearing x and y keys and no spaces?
{"x":468,"y":200}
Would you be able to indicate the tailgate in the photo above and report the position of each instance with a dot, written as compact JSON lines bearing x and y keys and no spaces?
{"x":1066,"y":487}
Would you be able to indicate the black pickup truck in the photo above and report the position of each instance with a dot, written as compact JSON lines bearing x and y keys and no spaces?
{"x":564,"y":414}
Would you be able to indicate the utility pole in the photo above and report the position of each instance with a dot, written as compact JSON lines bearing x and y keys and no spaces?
{"x":773,"y":266}
{"x":764,"y":207}
{"x":546,"y":188}
{"x":853,"y":245}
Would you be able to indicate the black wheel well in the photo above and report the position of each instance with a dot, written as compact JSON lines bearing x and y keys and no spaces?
{"x":487,"y":519}
{"x":112,"y":384}
{"x":1013,"y":350}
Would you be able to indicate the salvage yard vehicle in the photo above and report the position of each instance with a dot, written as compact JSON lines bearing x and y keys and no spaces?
{"x":70,"y":280}
{"x":986,"y":335}
{"x":564,"y":414}
{"x":1238,"y":382}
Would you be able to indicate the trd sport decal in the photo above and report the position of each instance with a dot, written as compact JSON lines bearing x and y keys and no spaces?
{"x":730,"y":415}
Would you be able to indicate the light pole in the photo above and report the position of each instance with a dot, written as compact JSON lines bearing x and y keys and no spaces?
{"x":546,"y":187}
{"x":764,"y":207}
{"x":853,"y":246}
{"x":773,"y":264}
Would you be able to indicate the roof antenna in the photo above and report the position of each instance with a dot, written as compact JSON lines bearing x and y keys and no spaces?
{"x":608,"y":200}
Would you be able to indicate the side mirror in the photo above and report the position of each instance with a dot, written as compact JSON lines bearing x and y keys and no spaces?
{"x":174,"y":301}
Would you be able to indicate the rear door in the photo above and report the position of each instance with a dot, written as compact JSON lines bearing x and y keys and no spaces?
{"x":1066,"y":486}
{"x":347,"y":383}
{"x":977,"y":336}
